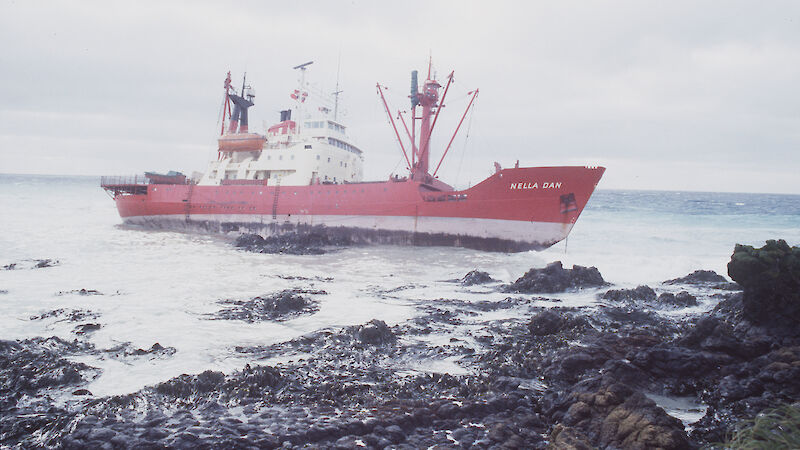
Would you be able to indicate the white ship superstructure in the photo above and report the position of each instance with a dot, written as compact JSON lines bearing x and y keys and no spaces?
{"x":315,"y":149}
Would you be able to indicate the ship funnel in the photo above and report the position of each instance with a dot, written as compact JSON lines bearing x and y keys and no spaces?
{"x":286,"y":115}
{"x":414,"y":89}
{"x":239,"y":115}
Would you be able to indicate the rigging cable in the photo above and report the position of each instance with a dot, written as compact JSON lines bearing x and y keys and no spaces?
{"x":386,"y":118}
{"x":466,"y":138}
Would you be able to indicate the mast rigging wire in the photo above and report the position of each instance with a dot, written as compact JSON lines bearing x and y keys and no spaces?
{"x":466,"y":138}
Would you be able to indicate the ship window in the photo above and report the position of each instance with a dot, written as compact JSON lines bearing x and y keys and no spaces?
{"x":269,"y":157}
{"x":340,"y":164}
{"x":280,"y":157}
{"x":308,"y":146}
{"x":329,"y":159}
{"x":345,"y":164}
{"x":292,"y":157}
{"x":317,"y":157}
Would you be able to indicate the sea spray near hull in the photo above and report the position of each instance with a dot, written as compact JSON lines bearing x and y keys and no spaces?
{"x":365,"y":230}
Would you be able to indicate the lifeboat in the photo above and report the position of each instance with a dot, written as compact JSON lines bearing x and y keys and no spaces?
{"x":242,"y":142}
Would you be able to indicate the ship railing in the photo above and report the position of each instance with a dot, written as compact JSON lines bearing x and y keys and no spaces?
{"x":125,"y":180}
{"x":230,"y":182}
{"x":116,"y":186}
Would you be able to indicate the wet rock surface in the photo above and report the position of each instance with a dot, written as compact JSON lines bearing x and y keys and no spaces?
{"x":30,"y":264}
{"x":67,"y":315}
{"x":770,"y":276}
{"x":699,"y":277}
{"x":476,"y":277}
{"x":641,"y":293}
{"x":555,"y":278}
{"x":294,"y":243}
{"x":564,"y":377}
{"x":374,"y":332}
{"x":279,"y":306}
{"x":80,"y":292}
{"x":681,"y":299}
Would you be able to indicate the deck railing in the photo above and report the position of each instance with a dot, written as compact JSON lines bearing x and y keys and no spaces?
{"x":125,"y":180}
{"x":230,"y":182}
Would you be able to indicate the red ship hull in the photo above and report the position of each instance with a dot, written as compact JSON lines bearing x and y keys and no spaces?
{"x":513,"y":210}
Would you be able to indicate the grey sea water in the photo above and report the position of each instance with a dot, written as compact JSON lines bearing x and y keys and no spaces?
{"x":165,"y":287}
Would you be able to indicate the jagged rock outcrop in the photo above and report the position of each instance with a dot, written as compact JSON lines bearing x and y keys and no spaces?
{"x":555,"y":278}
{"x":476,"y":277}
{"x":770,"y":276}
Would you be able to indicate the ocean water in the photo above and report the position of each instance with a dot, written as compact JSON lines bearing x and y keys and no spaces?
{"x":165,"y":286}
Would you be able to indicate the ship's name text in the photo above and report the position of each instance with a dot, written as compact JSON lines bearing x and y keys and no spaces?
{"x":535,"y":185}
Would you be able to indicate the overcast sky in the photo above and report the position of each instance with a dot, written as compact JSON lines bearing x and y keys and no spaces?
{"x":694,"y":95}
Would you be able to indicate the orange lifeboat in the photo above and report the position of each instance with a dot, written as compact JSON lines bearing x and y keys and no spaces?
{"x":242,"y":142}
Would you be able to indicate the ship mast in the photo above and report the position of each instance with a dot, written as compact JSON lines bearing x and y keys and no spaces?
{"x":337,"y":92}
{"x":301,"y":93}
{"x":226,"y":103}
{"x":430,"y":106}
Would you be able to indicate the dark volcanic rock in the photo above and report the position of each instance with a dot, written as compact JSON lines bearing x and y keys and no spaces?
{"x":31,"y":264}
{"x":770,"y":276}
{"x":699,"y":277}
{"x":476,"y":277}
{"x":35,"y":369}
{"x":566,"y":438}
{"x":280,"y":306}
{"x":250,"y":382}
{"x":295,"y":243}
{"x":640,"y":293}
{"x":86,"y":328}
{"x":648,"y":295}
{"x":554,"y":278}
{"x":374,"y":332}
{"x":81,"y":292}
{"x":33,"y":364}
{"x":552,"y":321}
{"x":67,"y":315}
{"x":125,"y":350}
{"x":156,"y":348}
{"x":681,"y":299}
{"x":619,"y":417}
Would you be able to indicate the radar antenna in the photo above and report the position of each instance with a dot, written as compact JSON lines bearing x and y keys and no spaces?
{"x":302,"y":68}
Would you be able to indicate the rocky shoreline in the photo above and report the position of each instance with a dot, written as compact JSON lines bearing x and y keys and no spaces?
{"x":560,"y":377}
